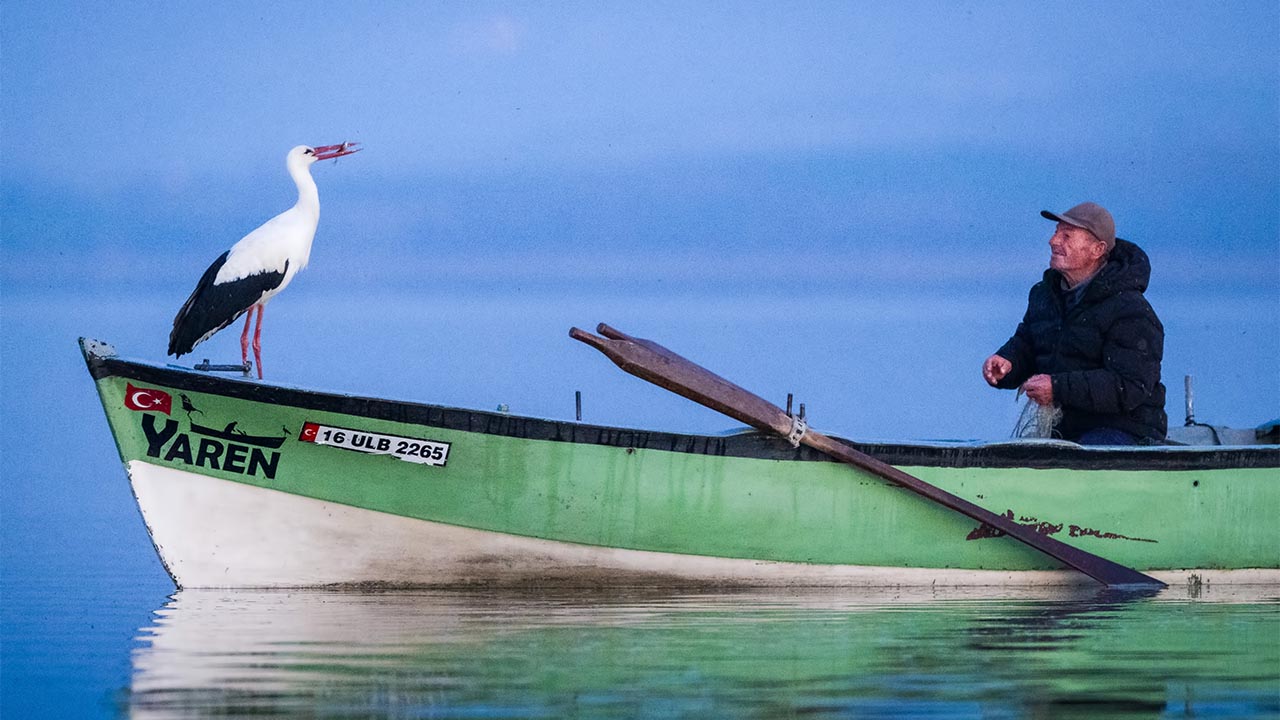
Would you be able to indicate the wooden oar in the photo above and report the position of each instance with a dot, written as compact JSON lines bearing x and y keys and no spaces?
{"x":650,"y":361}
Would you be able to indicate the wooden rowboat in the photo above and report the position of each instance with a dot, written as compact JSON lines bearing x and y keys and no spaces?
{"x":249,"y":484}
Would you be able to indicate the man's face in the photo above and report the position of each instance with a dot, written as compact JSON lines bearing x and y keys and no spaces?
{"x":1075,"y":250}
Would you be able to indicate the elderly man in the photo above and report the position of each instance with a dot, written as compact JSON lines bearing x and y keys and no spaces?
{"x":1089,"y":342}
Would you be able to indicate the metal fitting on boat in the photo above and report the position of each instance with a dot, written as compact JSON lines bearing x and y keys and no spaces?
{"x":798,"y":428}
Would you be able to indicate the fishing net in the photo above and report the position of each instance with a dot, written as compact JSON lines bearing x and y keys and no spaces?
{"x":1036,"y":420}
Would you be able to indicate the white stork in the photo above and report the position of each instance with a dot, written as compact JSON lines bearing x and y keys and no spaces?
{"x":258,"y":267}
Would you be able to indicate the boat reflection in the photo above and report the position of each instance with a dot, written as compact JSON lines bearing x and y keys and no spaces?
{"x":896,"y":652}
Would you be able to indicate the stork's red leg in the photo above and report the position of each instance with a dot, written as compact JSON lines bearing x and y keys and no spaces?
{"x":244,"y":336}
{"x":257,"y":340}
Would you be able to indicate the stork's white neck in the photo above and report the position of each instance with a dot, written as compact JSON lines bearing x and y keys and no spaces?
{"x":308,"y":194}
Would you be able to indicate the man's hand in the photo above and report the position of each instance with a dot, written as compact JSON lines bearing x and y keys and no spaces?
{"x":995,"y":368}
{"x":1039,"y":388}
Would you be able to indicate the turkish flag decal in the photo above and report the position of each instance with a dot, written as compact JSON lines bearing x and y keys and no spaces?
{"x":309,"y":432}
{"x":147,"y":399}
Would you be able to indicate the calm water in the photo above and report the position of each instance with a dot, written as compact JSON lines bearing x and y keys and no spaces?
{"x":1077,"y":653}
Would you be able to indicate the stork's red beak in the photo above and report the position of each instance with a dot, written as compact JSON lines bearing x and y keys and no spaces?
{"x":328,"y":152}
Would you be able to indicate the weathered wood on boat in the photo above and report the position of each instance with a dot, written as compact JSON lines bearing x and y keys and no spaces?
{"x":653,"y":362}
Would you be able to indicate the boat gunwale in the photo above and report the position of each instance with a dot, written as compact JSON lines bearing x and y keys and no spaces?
{"x":755,"y":445}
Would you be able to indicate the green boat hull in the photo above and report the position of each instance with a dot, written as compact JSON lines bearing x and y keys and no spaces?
{"x":239,"y":488}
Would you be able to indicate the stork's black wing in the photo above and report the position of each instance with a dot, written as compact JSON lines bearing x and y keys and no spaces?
{"x":213,"y":306}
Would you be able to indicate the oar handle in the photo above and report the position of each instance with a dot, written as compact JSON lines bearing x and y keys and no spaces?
{"x":652,"y":362}
{"x":586,"y":337}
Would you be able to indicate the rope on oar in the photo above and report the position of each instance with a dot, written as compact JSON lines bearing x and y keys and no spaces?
{"x":798,"y":429}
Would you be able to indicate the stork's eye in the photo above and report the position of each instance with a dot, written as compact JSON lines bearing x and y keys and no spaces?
{"x":308,"y":151}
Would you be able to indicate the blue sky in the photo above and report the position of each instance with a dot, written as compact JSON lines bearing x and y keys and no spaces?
{"x":853,"y":185}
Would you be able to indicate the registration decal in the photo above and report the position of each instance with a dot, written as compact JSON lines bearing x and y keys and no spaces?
{"x":414,"y":450}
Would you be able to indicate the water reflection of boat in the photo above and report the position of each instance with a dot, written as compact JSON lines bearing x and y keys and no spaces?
{"x":962,"y":651}
{"x":390,"y":493}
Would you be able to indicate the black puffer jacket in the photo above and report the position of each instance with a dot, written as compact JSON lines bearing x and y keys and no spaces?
{"x":1103,"y":354}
